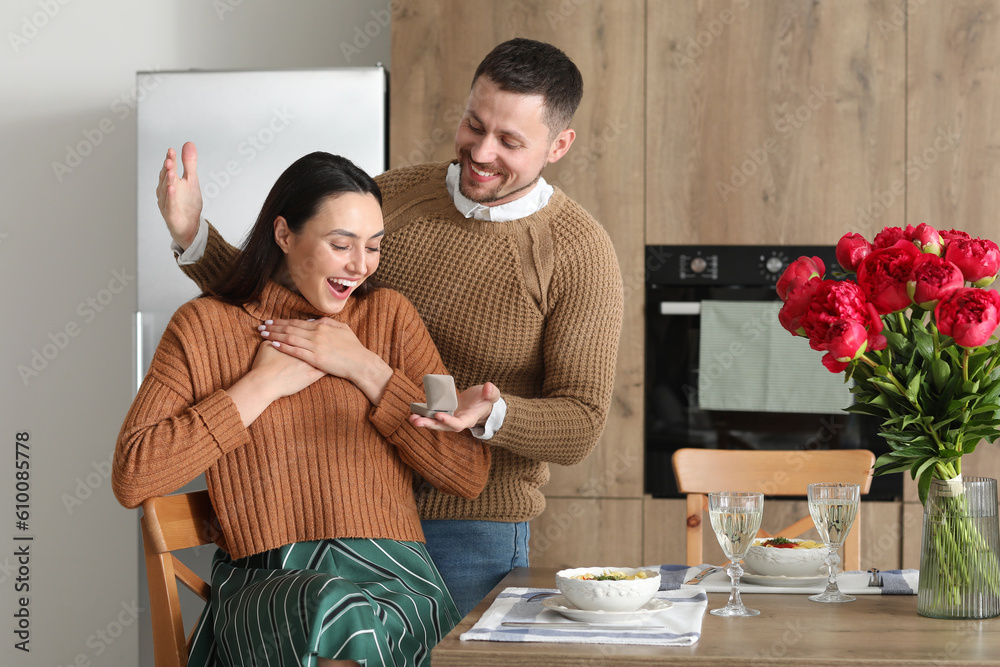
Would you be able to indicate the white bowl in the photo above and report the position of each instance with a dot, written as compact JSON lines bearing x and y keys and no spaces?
{"x":777,"y":562}
{"x":609,"y":595}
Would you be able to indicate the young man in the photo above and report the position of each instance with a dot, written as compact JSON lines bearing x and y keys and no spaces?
{"x":518,"y":285}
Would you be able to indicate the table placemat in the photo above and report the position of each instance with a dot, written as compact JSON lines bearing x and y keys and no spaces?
{"x":680,"y":625}
{"x":894,"y":582}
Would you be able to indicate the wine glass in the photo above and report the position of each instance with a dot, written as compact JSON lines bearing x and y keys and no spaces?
{"x":735,"y":519}
{"x":833,"y":508}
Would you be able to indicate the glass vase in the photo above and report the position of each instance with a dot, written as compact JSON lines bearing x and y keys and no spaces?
{"x":959,"y":567}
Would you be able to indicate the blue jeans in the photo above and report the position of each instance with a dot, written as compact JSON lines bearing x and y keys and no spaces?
{"x":473,"y":556}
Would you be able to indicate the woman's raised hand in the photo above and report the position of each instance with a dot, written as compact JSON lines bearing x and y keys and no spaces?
{"x":179,"y":196}
{"x":332,"y":347}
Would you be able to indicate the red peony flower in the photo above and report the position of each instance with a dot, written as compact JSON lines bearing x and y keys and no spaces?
{"x":932,"y":279}
{"x":926,"y":238}
{"x":888,"y":237}
{"x":978,"y":259}
{"x":832,"y":301}
{"x":969,"y":315}
{"x":790,"y":315}
{"x":953,"y":234}
{"x":845,"y":341}
{"x":799,"y":273}
{"x":851,"y":249}
{"x":883,"y":276}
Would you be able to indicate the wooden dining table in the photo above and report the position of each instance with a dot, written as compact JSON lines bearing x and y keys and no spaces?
{"x":874,"y":630}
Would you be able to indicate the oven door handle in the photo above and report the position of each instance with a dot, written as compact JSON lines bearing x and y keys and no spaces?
{"x":680,"y":307}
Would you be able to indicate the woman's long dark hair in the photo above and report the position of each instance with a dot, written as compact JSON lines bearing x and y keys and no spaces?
{"x":296,"y":196}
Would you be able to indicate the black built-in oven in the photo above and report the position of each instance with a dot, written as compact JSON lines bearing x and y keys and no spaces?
{"x":679,"y":279}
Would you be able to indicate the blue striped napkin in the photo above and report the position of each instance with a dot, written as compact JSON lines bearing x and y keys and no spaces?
{"x":894,"y":582}
{"x":681,"y":623}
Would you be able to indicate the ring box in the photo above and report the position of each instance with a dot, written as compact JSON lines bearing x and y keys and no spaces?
{"x":441,"y":396}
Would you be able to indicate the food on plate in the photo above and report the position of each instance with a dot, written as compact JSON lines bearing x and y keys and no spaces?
{"x":616,"y":575}
{"x":608,"y":589}
{"x":783,"y":557}
{"x":785,"y":543}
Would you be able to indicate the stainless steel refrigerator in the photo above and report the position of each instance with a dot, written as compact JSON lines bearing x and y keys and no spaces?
{"x":248,"y":127}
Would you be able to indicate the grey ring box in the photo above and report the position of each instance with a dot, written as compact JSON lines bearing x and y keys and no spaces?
{"x":441,"y":396}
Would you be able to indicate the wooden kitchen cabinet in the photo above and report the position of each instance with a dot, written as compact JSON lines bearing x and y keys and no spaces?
{"x":953,"y":133}
{"x":435,"y":49}
{"x":771,"y":122}
{"x":574,"y":532}
{"x":731,"y":122}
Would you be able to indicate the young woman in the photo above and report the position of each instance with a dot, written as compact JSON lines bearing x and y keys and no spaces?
{"x":310,"y":471}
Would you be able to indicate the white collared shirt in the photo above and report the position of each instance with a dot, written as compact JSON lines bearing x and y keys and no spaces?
{"x":531,"y":203}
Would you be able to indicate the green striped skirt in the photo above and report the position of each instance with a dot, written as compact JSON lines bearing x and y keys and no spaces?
{"x":379,"y":602}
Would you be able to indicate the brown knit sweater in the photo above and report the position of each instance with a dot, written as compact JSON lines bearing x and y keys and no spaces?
{"x":533,"y":305}
{"x":322,"y":463}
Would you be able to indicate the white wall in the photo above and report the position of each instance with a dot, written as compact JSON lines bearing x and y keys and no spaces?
{"x":67,"y":256}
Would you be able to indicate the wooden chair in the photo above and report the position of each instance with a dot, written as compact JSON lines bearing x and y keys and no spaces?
{"x":172,"y":523}
{"x":773,"y":473}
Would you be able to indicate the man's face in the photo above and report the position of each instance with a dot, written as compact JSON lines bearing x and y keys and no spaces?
{"x":503,"y":143}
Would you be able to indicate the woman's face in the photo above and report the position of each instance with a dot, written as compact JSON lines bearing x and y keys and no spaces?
{"x":335,"y":251}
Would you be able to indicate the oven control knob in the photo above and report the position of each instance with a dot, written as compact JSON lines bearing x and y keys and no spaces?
{"x":698,"y":265}
{"x":774,"y":264}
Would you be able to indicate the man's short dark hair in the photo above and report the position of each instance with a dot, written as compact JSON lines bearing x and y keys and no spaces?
{"x":535,"y":68}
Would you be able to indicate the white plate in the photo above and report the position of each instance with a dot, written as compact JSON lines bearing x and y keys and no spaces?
{"x":560,"y":604}
{"x":782,"y":582}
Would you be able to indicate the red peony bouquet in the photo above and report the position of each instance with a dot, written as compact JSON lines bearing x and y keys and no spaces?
{"x":915,"y":330}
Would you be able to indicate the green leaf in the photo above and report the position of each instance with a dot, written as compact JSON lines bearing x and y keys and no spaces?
{"x":866,"y":409}
{"x":920,"y":466}
{"x":913,"y":389}
{"x":923,"y":485}
{"x":924,"y":343}
{"x":971,"y":386}
{"x":940,"y":370}
{"x":891,"y":469}
{"x":898,"y":341}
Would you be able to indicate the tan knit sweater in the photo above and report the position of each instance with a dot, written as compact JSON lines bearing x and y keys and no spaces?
{"x":322,"y":463}
{"x":533,"y":305}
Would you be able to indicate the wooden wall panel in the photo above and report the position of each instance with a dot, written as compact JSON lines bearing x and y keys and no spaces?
{"x":772,"y":122}
{"x":953,"y":153}
{"x":436,"y":46}
{"x":953,"y":111}
{"x":582,"y":532}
